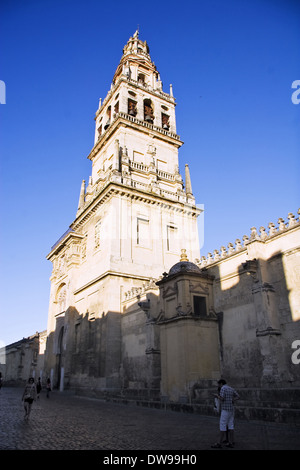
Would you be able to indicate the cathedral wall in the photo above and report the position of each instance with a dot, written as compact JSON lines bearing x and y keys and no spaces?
{"x":134,"y":361}
{"x":256,"y":295}
{"x":23,"y":359}
{"x":189,"y":352}
{"x":240,"y":351}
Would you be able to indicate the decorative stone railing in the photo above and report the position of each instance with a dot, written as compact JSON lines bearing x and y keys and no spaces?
{"x":147,"y":87}
{"x":263,"y":235}
{"x":136,"y":292}
{"x":134,"y":120}
{"x":115,"y":176}
{"x":164,"y":175}
{"x":146,"y":169}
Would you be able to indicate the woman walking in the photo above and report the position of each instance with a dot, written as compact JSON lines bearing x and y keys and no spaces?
{"x":29,"y":395}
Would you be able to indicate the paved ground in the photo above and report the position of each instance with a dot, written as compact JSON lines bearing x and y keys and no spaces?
{"x":68,"y":422}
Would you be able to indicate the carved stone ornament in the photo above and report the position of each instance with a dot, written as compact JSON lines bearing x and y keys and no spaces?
{"x":250,"y":267}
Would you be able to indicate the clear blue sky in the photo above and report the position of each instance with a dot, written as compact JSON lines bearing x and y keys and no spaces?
{"x":231,"y":63}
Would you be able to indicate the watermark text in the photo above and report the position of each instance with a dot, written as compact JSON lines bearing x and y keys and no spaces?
{"x":296,"y":94}
{"x":2,"y":92}
{"x":296,"y":354}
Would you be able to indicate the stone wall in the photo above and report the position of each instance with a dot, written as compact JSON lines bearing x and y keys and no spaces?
{"x":256,"y":295}
{"x":23,"y":359}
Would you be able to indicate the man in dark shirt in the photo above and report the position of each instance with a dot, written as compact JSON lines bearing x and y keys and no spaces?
{"x":227,"y":396}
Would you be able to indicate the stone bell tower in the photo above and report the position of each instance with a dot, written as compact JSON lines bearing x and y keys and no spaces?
{"x":134,"y":216}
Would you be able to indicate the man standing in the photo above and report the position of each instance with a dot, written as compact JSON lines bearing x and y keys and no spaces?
{"x":227,"y":397}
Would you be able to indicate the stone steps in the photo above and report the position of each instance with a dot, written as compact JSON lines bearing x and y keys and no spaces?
{"x":279,"y":398}
{"x":271,"y":405}
{"x":278,"y":405}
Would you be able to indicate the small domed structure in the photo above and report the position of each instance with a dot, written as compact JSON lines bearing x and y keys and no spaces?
{"x":184,"y":266}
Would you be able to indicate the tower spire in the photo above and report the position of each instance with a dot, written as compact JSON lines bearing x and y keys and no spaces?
{"x":188,"y":184}
{"x":82,"y":195}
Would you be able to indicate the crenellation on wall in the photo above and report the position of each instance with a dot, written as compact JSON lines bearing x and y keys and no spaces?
{"x":262,"y":235}
{"x":257,"y":291}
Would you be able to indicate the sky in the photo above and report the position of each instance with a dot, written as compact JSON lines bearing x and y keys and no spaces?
{"x":232,"y":64}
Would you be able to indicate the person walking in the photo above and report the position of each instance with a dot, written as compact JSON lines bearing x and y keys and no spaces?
{"x":29,"y":395}
{"x":227,"y":396}
{"x":48,"y":387}
{"x":38,"y":387}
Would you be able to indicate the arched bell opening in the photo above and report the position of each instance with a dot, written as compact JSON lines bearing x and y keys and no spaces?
{"x":148,"y":111}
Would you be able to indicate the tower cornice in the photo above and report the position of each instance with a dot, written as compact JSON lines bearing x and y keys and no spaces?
{"x":137,"y":124}
{"x":113,"y":188}
{"x":68,"y":237}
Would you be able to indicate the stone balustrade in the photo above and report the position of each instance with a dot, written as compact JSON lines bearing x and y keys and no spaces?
{"x":150,"y":126}
{"x":136,"y":292}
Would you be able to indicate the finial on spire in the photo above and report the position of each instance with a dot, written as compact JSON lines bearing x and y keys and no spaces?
{"x":183,"y":256}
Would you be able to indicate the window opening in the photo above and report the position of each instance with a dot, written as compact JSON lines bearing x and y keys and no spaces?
{"x":132,"y":111}
{"x":148,"y":111}
{"x":165,"y":121}
{"x":142,"y":232}
{"x":171,"y":237}
{"x":199,"y":305}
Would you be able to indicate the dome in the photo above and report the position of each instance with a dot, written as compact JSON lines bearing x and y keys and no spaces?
{"x":184,"y":267}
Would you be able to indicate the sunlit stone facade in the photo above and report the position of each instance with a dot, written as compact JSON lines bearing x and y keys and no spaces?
{"x":134,"y":309}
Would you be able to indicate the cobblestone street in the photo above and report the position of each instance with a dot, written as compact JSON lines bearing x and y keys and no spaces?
{"x":67,"y":422}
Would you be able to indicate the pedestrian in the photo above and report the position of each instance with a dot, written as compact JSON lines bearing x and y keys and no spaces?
{"x":227,"y":396}
{"x":38,"y":387}
{"x":217,"y":409}
{"x":48,"y":387}
{"x":29,"y":395}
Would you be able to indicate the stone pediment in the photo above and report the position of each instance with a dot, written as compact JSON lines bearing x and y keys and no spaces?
{"x":199,"y":288}
{"x":169,"y":290}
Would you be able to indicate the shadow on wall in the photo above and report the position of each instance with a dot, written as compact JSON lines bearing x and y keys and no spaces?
{"x":121,"y":353}
{"x":103,"y":355}
{"x":256,"y":324}
{"x":84,"y":351}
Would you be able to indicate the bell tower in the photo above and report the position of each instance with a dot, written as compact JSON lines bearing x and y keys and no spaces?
{"x":134,"y":215}
{"x":135,"y":132}
{"x":136,"y":152}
